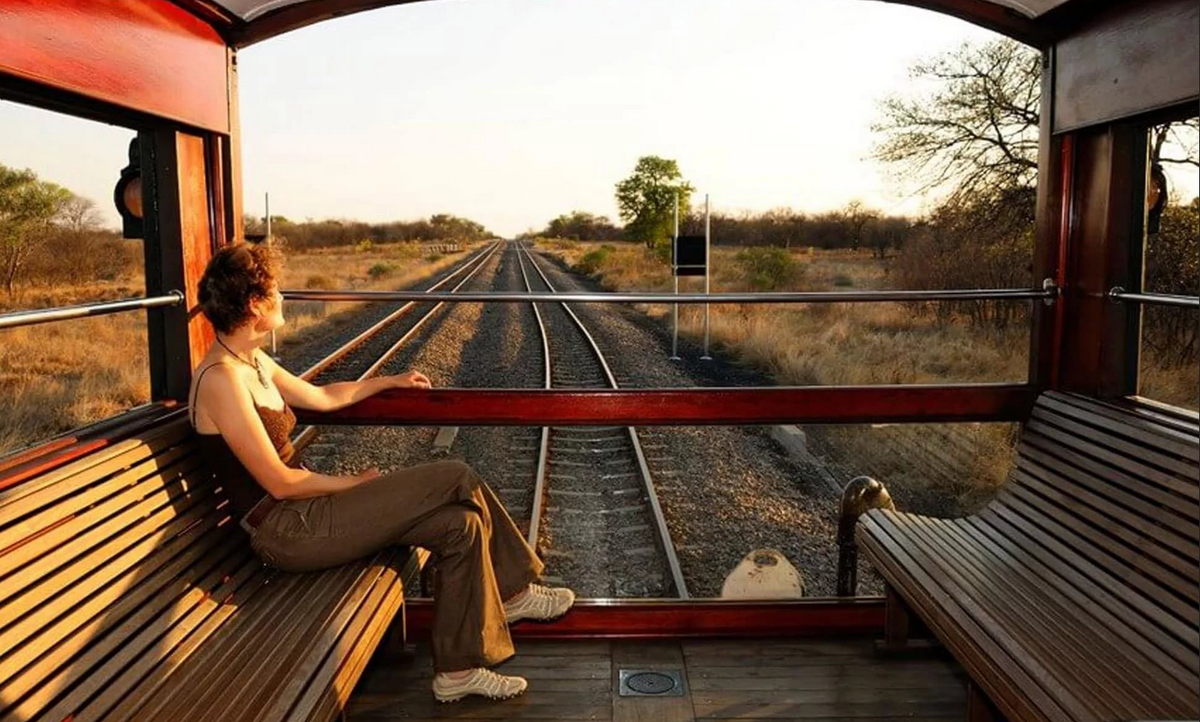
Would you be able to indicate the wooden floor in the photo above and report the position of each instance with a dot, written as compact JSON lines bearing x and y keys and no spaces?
{"x":742,"y":679}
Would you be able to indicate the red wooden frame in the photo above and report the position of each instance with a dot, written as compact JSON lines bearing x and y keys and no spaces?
{"x":672,"y":619}
{"x":649,"y":407}
{"x":149,"y":56}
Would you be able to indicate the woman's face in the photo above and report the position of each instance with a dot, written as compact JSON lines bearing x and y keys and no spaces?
{"x":269,"y":312}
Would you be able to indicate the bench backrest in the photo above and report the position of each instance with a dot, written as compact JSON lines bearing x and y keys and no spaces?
{"x":97,"y":553}
{"x":1111,"y":490}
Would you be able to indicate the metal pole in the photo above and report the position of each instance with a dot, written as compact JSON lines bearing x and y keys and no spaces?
{"x":707,"y":270}
{"x":267,"y":203}
{"x":675,"y":278}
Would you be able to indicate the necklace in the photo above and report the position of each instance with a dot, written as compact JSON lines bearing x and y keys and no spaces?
{"x":257,"y":365}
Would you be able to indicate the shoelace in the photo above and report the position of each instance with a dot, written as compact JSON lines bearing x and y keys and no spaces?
{"x":493,"y":683}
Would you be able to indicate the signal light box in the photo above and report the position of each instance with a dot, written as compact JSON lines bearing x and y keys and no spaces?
{"x":690,"y":256}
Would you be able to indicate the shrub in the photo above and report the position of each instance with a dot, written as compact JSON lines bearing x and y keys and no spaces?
{"x":434,"y":257}
{"x":380,"y":270}
{"x":768,"y":268}
{"x":320,"y":283}
{"x":592,"y":260}
{"x":407,"y":251}
{"x":843,"y":281}
{"x":364,"y":245}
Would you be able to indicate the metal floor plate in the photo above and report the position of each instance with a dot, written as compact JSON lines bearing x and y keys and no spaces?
{"x":651,"y":683}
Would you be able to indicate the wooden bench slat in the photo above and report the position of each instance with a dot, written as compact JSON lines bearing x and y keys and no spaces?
{"x":1138,"y":408}
{"x":54,"y":509}
{"x":79,"y":577}
{"x":222,"y":667}
{"x":1096,"y":599}
{"x":127,"y":592}
{"x":152,"y":587}
{"x":40,"y":556}
{"x":176,"y":682}
{"x":1076,"y":551}
{"x":1165,"y":440}
{"x":1111,"y":538}
{"x":89,"y":468}
{"x":348,"y":633}
{"x":310,"y":641}
{"x":1049,"y":619}
{"x":1035,"y":460}
{"x":1075,"y":594}
{"x":199,"y":611}
{"x":1150,"y":503}
{"x":1038,"y":644}
{"x":91,"y":668}
{"x":984,"y":657}
{"x":1153,"y":466}
{"x":337,"y":695}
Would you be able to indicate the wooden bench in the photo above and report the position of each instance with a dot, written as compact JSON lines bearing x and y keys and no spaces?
{"x":1073,"y":595}
{"x":128,"y":593}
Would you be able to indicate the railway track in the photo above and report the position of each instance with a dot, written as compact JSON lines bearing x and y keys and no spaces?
{"x":368,"y":352}
{"x":596,"y":517}
{"x":587,"y":493}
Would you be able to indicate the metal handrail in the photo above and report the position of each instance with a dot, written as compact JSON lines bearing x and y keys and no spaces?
{"x":1048,"y":294}
{"x":104,"y":308}
{"x":1118,"y":294}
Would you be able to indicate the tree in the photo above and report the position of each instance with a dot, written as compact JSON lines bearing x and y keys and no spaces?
{"x":582,"y":226}
{"x":857,"y":217}
{"x":647,"y":199}
{"x":977,"y":129}
{"x":79,"y":215}
{"x":1183,"y":135}
{"x":28,"y":207}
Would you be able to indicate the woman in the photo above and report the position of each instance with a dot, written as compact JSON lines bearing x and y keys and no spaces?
{"x":299,"y":520}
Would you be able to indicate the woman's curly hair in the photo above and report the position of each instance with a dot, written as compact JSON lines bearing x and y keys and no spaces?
{"x":237,"y":275}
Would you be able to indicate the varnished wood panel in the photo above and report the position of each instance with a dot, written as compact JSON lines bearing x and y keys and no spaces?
{"x":145,"y":55}
{"x":1098,"y":353}
{"x":648,"y":407}
{"x":1137,"y":56}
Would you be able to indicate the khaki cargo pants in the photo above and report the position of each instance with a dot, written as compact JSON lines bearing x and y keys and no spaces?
{"x":444,"y":507}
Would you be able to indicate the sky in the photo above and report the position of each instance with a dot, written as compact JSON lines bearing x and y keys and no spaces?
{"x":511,"y":112}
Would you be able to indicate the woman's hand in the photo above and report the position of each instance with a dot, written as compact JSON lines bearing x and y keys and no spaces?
{"x":367,"y":475}
{"x":410,"y":380}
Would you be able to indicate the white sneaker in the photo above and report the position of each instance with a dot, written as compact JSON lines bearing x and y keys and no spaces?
{"x":540,"y":603}
{"x":481,"y":681}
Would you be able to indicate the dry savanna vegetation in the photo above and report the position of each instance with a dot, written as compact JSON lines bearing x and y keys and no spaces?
{"x":59,"y":376}
{"x":855,"y":344}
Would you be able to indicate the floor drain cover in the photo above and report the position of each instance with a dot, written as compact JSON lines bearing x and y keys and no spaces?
{"x":651,"y":683}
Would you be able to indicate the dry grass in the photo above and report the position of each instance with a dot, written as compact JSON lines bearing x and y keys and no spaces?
{"x":59,"y":376}
{"x":941,"y":469}
{"x":397,"y":265}
{"x":822,"y":344}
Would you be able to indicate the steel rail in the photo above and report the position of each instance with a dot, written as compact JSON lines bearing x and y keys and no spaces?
{"x":1119,"y":295}
{"x":88,"y":310}
{"x":1004,"y":294}
{"x":399,"y":313}
{"x":664,"y":535}
{"x":306,"y":435}
{"x":539,"y":486}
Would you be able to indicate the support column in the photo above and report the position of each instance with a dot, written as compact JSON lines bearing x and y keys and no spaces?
{"x":178,"y":246}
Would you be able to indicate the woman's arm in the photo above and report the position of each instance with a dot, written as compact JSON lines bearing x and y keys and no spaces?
{"x":229,"y":404}
{"x":301,"y":394}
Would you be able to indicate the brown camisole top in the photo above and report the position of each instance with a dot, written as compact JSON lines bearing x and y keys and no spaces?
{"x":239,"y":485}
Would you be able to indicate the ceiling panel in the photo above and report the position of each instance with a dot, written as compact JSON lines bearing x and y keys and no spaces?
{"x":250,"y":9}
